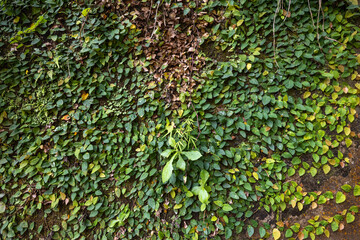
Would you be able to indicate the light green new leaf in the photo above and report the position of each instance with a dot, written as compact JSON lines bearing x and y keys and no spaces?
{"x":350,"y":218}
{"x":204,"y":175}
{"x":227,"y":208}
{"x":172,"y":142}
{"x":192,"y":155}
{"x":340,"y":197}
{"x":346,"y":187}
{"x":203,"y":195}
{"x":166,"y":153}
{"x":181,"y":163}
{"x":357,"y":190}
{"x":167,"y":171}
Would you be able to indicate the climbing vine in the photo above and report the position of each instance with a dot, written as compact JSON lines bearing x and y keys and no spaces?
{"x":179,"y":119}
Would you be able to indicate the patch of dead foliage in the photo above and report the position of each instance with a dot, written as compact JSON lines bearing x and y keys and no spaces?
{"x":169,"y":41}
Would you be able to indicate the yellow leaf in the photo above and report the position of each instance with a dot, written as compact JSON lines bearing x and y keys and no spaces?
{"x":240,"y":22}
{"x":52,"y":197}
{"x":293,"y":203}
{"x":173,"y":194}
{"x":327,"y":233}
{"x":300,"y":206}
{"x":62,"y":196}
{"x":341,"y":68}
{"x":84,"y":96}
{"x":276,"y":233}
{"x":313,"y":205}
{"x":265,"y":73}
{"x":248,"y":66}
{"x":307,"y":94}
{"x":213,"y":218}
{"x":337,"y":88}
{"x":353,"y":76}
{"x":325,"y":149}
{"x":180,"y":112}
{"x":102,"y":175}
{"x":178,"y":206}
{"x":16,"y":20}
{"x":326,"y":169}
{"x":256,"y":176}
{"x":347,"y":131}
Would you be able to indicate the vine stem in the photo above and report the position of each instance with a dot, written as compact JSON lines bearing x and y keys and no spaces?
{"x":274,"y":39}
{"x":288,"y":11}
{"x":155,"y":20}
{"x":312,"y":19}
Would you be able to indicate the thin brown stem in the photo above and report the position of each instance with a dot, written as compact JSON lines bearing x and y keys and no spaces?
{"x":317,"y":25}
{"x":155,"y":20}
{"x":312,"y":18}
{"x":82,"y":28}
{"x":288,"y":11}
{"x":335,"y":40}
{"x":274,"y":39}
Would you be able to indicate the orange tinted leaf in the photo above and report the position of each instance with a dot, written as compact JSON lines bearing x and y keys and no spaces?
{"x":66,"y":117}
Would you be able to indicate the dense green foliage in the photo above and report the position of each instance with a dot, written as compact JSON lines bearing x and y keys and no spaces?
{"x":90,"y":148}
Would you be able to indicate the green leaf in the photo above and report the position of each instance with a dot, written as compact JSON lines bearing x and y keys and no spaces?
{"x":113,"y":223}
{"x":346,"y":187}
{"x":186,"y":11}
{"x":227,"y":208}
{"x":172,"y":142}
{"x":166,"y":153}
{"x":273,"y":89}
{"x":151,"y":203}
{"x":288,"y":233}
{"x":357,"y":190}
{"x":228,"y":233}
{"x":298,"y":53}
{"x":2,"y":207}
{"x":313,"y":171}
{"x":350,"y":218}
{"x":196,"y":190}
{"x":204,"y":175}
{"x":266,"y":99}
{"x":326,"y":169}
{"x":334,"y":226}
{"x":203,"y":195}
{"x":56,"y":228}
{"x":340,"y":197}
{"x":192,"y":155}
{"x":97,"y":167}
{"x":86,"y":156}
{"x":181,"y":163}
{"x":262,"y":232}
{"x":348,"y":142}
{"x":167,"y":171}
{"x":219,"y":203}
{"x":250,"y":230}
